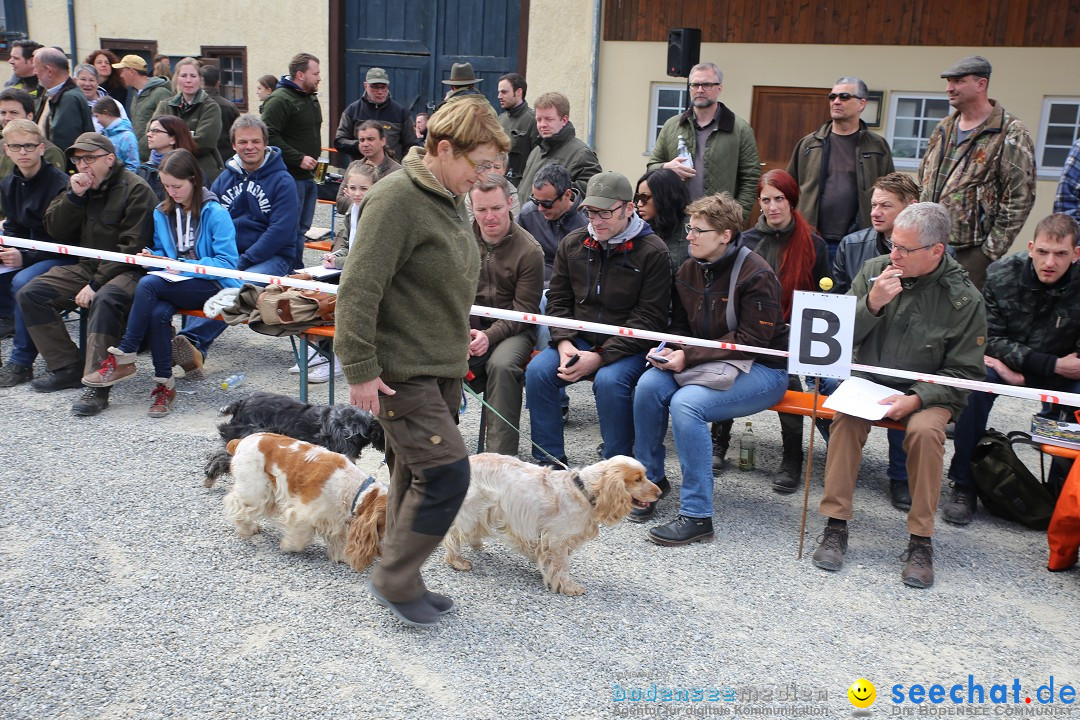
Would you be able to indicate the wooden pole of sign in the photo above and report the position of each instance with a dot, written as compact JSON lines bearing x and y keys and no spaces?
{"x":809,"y":467}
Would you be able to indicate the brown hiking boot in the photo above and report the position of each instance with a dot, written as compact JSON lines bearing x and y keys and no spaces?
{"x":112,"y":370}
{"x":186,"y":355}
{"x":961,"y":505}
{"x":833,"y":545}
{"x":918,"y":560}
{"x":163,"y":397}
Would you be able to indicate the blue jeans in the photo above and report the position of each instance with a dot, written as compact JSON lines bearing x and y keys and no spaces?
{"x":543,"y":340}
{"x":202,"y":332}
{"x":306,"y":195}
{"x":156,"y":301}
{"x":613,"y":388}
{"x":23,"y":351}
{"x":897,"y":457}
{"x":692,"y":408}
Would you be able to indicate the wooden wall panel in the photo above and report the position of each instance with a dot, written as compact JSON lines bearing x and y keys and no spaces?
{"x":1004,"y":23}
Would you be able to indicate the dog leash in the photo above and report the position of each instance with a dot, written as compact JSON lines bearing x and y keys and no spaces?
{"x":557,"y":461}
{"x":364,"y":486}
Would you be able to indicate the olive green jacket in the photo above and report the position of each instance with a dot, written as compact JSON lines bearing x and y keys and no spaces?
{"x":203,"y":118}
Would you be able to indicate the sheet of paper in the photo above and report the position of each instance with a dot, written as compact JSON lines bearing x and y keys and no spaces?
{"x":171,"y":277}
{"x":318,"y":271}
{"x":860,"y":397}
{"x":6,"y":269}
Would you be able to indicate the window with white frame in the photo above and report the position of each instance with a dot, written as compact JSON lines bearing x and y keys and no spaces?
{"x":1059,"y":128}
{"x":231,"y":62}
{"x":666,"y":101}
{"x":912,"y":119}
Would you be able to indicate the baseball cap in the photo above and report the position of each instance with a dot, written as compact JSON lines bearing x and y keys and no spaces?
{"x":606,"y":190}
{"x":131,"y":61}
{"x":377,"y":75}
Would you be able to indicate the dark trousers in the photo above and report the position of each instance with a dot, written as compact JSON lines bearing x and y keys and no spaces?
{"x":429,"y":475}
{"x":45,"y":297}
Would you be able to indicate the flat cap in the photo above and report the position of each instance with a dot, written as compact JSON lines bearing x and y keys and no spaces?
{"x":91,"y":141}
{"x":973,"y":65}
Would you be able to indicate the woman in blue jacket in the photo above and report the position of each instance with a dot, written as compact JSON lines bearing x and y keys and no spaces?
{"x":189,"y":226}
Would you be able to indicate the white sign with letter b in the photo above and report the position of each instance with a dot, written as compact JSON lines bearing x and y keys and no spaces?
{"x":822,"y":330}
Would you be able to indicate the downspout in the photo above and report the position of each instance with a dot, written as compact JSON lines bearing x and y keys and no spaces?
{"x":71,"y":30}
{"x":597,"y":7}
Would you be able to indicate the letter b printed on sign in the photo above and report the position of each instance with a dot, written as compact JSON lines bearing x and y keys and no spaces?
{"x":822,"y":329}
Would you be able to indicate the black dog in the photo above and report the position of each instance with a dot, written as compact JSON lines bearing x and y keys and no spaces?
{"x":342,"y":428}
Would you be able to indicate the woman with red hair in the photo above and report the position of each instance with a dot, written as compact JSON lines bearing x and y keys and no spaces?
{"x":800,"y":259}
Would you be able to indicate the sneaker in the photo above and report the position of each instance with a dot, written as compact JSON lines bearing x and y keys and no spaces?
{"x":162,"y":397}
{"x":14,"y":374}
{"x":110,"y":372}
{"x":186,"y":355}
{"x":638,"y":515}
{"x":961,"y":505}
{"x":918,"y":560}
{"x":91,"y":402}
{"x":7,"y":327}
{"x":682,"y":531}
{"x":833,"y":545}
{"x":314,"y":359}
{"x":63,"y":379}
{"x":900,"y":494}
{"x":321,"y":373}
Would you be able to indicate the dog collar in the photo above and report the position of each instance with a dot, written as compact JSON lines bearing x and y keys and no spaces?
{"x":581,"y":486}
{"x":363,"y":486}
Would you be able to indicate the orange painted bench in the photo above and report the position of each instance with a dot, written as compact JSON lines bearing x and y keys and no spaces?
{"x":802,"y":403}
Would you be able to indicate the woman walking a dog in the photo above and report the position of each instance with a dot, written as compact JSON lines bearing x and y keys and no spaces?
{"x":403,"y":339}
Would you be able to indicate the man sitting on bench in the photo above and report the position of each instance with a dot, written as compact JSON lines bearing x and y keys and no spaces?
{"x":917,"y":311}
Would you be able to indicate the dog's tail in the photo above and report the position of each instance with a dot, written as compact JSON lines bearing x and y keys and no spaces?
{"x":218,"y":464}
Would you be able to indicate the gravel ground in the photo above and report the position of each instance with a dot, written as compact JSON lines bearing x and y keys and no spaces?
{"x":126,"y":594}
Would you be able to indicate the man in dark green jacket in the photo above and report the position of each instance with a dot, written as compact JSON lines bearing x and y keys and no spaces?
{"x":916,"y":311}
{"x":105,"y":208}
{"x":293,"y":117}
{"x":558,"y":143}
{"x":62,"y":108}
{"x":149,"y":91}
{"x":519,"y":122}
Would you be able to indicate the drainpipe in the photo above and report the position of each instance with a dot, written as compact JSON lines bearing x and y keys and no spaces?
{"x":597,"y":6}
{"x":71,"y":30}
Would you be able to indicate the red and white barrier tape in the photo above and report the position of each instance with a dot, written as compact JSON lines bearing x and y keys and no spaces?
{"x":1039,"y":395}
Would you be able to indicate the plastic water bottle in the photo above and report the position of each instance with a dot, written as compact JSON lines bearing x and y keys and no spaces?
{"x":747,"y":446}
{"x":234,"y":380}
{"x":684,"y":154}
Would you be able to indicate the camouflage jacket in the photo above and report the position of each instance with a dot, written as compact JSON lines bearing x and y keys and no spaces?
{"x":987,"y":182}
{"x":1031,"y":324}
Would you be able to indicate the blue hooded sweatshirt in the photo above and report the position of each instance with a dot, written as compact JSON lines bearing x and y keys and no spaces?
{"x":123,"y":139}
{"x":263,"y":207}
{"x":215,"y":238}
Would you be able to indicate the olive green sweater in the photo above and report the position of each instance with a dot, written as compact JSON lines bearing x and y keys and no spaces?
{"x":405,"y":293}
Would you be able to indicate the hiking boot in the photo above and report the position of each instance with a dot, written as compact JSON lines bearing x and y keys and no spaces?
{"x":162,"y":398}
{"x":14,"y":374}
{"x":92,"y":401}
{"x":790,"y":475}
{"x":638,"y":515}
{"x":918,"y":560}
{"x":63,"y":379}
{"x":833,"y":545}
{"x":115,"y":367}
{"x":961,"y":505}
{"x":682,"y":531}
{"x":186,"y":355}
{"x":721,"y":441}
{"x":7,"y":327}
{"x":900,"y":494}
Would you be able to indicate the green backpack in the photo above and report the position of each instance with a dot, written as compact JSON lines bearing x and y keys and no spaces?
{"x":1005,"y":486}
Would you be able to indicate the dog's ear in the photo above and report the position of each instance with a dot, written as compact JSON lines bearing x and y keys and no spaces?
{"x":364,"y":541}
{"x":612,"y":495}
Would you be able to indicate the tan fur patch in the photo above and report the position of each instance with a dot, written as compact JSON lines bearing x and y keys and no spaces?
{"x":306,"y":466}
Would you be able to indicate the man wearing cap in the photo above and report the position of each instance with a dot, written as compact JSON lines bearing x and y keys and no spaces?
{"x":62,"y":110}
{"x":149,"y":91}
{"x":979,"y":164}
{"x":375,"y":104}
{"x":616,"y":271}
{"x":559,"y":143}
{"x":106,"y":207}
{"x":518,"y":121}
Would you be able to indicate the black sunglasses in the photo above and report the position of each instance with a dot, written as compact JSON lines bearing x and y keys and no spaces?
{"x":546,"y":204}
{"x":843,"y":96}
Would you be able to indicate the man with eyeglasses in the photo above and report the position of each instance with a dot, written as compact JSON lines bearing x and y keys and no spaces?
{"x":917,"y":311}
{"x":376,"y":104}
{"x":558,"y":143}
{"x":980,"y":164}
{"x":722,"y":145}
{"x":615,"y":271}
{"x":836,"y":166}
{"x":106,"y":207}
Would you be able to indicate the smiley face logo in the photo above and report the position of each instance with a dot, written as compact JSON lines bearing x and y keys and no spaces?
{"x":862,"y":693}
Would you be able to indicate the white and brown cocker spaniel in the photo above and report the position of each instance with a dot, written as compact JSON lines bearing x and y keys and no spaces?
{"x":308,"y":490}
{"x":545,"y":512}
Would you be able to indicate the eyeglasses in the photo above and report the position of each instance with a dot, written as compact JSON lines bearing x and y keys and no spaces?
{"x":642,"y":198}
{"x":904,"y":252}
{"x":843,"y":96}
{"x":155,"y":131}
{"x":691,"y":230}
{"x":27,"y":148}
{"x":703,"y":86}
{"x":85,"y":160}
{"x":378,"y":86}
{"x":481,"y":168}
{"x":602,"y":214}
{"x":546,"y":204}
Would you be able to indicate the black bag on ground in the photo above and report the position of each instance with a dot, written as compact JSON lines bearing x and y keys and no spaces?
{"x":1004,"y":484}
